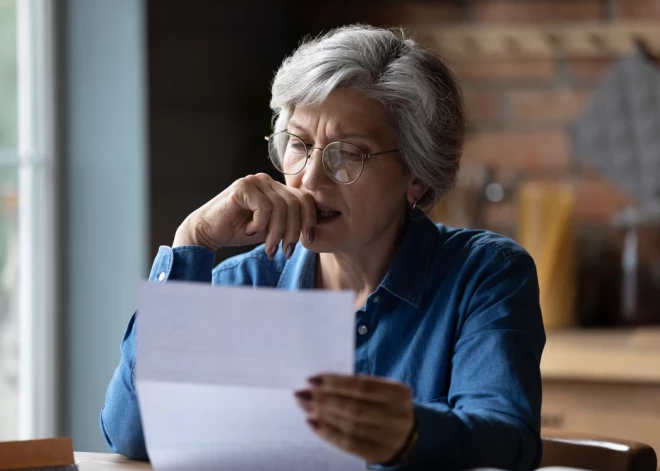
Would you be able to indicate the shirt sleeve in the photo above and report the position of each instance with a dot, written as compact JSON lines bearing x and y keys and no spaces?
{"x":120,"y":416}
{"x":491,"y":417}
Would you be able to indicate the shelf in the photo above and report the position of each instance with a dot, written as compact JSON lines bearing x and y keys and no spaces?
{"x":603,"y":355}
{"x":498,"y":42}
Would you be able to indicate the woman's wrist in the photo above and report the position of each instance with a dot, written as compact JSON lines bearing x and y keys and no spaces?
{"x":185,"y":236}
{"x":407,"y":447}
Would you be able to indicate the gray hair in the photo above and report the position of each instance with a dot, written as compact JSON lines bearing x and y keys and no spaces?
{"x":419,"y":92}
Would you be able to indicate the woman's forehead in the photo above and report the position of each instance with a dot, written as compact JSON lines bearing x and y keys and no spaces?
{"x":343,"y":112}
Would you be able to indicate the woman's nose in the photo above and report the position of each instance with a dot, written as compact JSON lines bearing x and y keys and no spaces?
{"x":314,"y":173}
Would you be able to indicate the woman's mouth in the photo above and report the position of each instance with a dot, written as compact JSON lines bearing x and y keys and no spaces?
{"x":324,"y":215}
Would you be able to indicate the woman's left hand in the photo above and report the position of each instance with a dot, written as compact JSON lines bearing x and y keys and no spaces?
{"x":367,"y":416}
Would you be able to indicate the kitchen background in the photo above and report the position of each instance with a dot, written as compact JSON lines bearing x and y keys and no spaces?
{"x":166,"y":103}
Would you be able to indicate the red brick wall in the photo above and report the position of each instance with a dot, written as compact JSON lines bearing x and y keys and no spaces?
{"x":520,"y":112}
{"x":520,"y":109}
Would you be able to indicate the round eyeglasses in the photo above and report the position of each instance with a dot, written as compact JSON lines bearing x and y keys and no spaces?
{"x":342,"y":162}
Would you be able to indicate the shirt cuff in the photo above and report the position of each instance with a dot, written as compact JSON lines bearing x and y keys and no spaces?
{"x":432,"y":424}
{"x":185,"y":263}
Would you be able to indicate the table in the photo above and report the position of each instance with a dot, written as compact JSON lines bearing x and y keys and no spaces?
{"x":603,"y":382}
{"x":108,"y":462}
{"x":614,"y":355}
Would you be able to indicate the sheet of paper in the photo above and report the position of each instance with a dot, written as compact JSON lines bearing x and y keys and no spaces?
{"x":216,"y":368}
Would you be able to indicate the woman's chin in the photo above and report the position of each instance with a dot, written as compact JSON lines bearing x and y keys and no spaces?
{"x":322,"y":243}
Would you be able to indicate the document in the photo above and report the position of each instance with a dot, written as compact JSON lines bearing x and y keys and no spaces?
{"x":216,"y":368}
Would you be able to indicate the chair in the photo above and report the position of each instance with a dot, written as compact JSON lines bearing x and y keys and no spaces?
{"x":586,"y":451}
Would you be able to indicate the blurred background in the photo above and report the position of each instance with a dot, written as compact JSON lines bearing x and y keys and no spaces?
{"x":118,"y":118}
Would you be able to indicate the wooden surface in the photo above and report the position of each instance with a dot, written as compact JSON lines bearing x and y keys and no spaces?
{"x":49,"y":452}
{"x":616,"y":409}
{"x":108,"y":462}
{"x":619,"y":356}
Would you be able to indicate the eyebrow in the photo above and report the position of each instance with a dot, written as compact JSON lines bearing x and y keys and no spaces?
{"x":339,"y":136}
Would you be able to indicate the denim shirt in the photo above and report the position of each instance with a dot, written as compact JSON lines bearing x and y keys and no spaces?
{"x":456,"y":318}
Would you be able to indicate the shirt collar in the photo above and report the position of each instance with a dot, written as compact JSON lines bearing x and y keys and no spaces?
{"x":404,"y":279}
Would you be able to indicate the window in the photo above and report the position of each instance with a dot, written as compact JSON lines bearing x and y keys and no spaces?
{"x":9,"y":332}
{"x":27,"y":299}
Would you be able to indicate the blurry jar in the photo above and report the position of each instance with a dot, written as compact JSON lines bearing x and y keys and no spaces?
{"x":598,"y":298}
{"x":640,"y":269}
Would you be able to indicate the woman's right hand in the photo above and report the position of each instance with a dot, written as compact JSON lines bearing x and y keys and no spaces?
{"x":253,"y":209}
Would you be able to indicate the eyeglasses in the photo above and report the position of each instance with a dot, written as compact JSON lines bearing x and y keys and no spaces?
{"x":342,"y":162}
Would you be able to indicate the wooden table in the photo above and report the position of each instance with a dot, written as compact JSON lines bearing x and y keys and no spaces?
{"x":622,"y":356}
{"x":604,"y":382}
{"x":108,"y":462}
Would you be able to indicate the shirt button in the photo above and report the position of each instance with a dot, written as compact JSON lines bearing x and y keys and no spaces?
{"x":362,"y":330}
{"x":161,"y":277}
{"x":376,"y":299}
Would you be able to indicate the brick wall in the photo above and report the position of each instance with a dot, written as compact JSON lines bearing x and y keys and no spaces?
{"x":520,"y":113}
{"x":520,"y":110}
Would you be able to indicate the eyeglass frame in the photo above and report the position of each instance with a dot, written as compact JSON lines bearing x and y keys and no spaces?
{"x":310,"y":151}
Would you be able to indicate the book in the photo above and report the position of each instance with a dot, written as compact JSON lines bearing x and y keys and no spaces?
{"x":51,"y":454}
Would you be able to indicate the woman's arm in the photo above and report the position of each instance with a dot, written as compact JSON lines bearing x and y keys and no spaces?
{"x":253,"y":209}
{"x":491,"y":417}
{"x":120,"y":416}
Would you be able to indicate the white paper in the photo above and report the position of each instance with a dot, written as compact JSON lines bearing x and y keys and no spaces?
{"x":216,"y":368}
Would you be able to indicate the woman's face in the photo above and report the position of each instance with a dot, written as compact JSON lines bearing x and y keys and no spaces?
{"x":373,"y":205}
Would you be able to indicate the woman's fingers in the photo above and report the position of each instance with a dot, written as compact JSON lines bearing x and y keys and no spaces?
{"x":307,"y":214}
{"x":252,"y":199}
{"x":389,"y":436}
{"x":277,"y":223}
{"x":372,"y":451}
{"x":370,"y":388}
{"x":357,"y":410}
{"x":368,"y":416}
{"x":355,"y":416}
{"x":293,"y":218}
{"x":288,"y":212}
{"x":254,"y":209}
{"x":359,"y":419}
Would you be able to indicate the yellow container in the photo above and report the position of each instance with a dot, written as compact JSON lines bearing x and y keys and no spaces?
{"x":546,"y":230}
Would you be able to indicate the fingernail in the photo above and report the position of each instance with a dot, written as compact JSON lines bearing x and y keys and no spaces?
{"x":306,"y":406}
{"x":289,"y":251}
{"x":316,"y":381}
{"x":304,"y":399}
{"x":314,"y":424}
{"x":272,"y":252}
{"x":250,"y":233}
{"x":304,"y":395}
{"x":310,"y":234}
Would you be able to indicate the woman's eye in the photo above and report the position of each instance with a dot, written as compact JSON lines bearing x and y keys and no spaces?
{"x":350,"y":155}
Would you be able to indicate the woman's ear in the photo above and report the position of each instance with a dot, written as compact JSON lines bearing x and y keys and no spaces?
{"x":416,"y":191}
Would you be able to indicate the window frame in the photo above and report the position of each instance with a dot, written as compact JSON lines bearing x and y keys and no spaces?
{"x":38,"y":216}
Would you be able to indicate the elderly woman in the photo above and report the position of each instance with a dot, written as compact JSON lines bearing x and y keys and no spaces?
{"x":368,"y":134}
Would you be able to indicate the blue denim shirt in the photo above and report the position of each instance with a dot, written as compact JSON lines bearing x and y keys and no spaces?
{"x":457,"y":318}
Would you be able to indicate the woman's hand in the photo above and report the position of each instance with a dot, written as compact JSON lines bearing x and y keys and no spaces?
{"x":367,"y":416}
{"x":253,"y":209}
